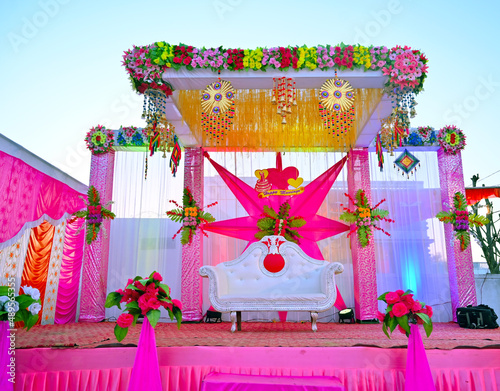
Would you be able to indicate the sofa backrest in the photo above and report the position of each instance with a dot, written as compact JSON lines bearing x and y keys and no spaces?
{"x":247,"y":274}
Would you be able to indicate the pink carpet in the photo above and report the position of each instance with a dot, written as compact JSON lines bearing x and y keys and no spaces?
{"x":45,"y":361}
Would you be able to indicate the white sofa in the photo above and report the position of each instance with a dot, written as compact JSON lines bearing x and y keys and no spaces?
{"x":244,"y":284}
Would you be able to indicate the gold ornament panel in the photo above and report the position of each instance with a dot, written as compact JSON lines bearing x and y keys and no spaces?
{"x":256,"y":126}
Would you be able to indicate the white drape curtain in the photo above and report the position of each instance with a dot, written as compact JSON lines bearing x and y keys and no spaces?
{"x":141,"y":234}
{"x":218,"y":248}
{"x":414,"y":256}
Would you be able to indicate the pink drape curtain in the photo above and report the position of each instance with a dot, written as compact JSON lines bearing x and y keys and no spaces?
{"x":69,"y":280}
{"x":27,"y":195}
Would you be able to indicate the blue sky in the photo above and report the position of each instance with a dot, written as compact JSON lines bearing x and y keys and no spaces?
{"x":62,"y":74}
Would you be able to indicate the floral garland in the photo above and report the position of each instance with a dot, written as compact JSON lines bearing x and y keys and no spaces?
{"x":405,"y":67}
{"x":423,"y":135}
{"x":22,"y":308}
{"x":461,"y":220}
{"x":131,"y":136}
{"x":99,"y":140}
{"x":191,"y":216}
{"x":143,"y":296}
{"x":451,"y":139}
{"x":364,"y":216}
{"x":402,"y":309}
{"x":94,"y":214}
{"x":280,"y":223}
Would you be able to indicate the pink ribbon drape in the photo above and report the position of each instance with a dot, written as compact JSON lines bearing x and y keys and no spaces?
{"x":27,"y":194}
{"x":69,"y":280}
{"x":146,"y":370}
{"x":418,"y":371}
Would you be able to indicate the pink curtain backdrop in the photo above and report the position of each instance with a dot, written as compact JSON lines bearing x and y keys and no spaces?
{"x":27,"y":196}
{"x":183,"y":368}
{"x":146,"y":371}
{"x":192,"y":254}
{"x":5,"y":384}
{"x":460,"y":266}
{"x":418,"y":372}
{"x":69,"y":280}
{"x":95,"y":263}
{"x":363,"y":258}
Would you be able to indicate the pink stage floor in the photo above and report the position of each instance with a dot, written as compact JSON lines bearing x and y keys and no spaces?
{"x":85,"y":356}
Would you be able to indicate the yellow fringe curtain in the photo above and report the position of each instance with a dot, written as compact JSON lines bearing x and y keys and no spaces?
{"x":257,"y":127}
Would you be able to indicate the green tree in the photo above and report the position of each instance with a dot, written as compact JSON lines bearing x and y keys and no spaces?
{"x":488,"y":235}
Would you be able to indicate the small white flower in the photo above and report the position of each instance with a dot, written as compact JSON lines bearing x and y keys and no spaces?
{"x":33,"y":292}
{"x":12,"y":306}
{"x":34,"y":308}
{"x":3,"y":299}
{"x":27,"y":290}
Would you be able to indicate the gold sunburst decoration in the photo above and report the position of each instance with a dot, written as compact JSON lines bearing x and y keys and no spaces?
{"x":337,"y":95}
{"x":336,"y":106}
{"x":217,"y":103}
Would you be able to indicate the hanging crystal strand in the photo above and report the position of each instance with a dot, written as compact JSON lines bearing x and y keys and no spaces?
{"x":273,"y":99}
{"x":294,"y":95}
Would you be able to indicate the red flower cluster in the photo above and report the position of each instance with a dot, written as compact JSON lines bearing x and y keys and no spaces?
{"x":235,"y":59}
{"x":286,"y":57}
{"x":163,"y":87}
{"x":182,"y":54}
{"x":344,"y":57}
{"x":402,"y":304}
{"x":295,"y":58}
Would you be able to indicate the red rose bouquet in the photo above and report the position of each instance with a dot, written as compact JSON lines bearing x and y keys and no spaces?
{"x":402,"y":309}
{"x":143,"y":296}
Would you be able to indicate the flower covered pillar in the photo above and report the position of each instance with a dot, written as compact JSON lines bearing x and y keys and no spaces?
{"x":460,"y":266}
{"x":192,"y":253}
{"x":363,"y":258}
{"x":95,"y":258}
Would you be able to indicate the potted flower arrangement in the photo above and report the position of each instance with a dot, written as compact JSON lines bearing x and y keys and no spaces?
{"x":22,"y":308}
{"x":143,"y":296}
{"x":403,"y":310}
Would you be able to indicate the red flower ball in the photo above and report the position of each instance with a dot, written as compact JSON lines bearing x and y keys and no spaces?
{"x":399,"y":309}
{"x":392,"y":297}
{"x":125,"y":320}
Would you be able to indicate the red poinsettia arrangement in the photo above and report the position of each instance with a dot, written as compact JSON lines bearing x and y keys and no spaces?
{"x":280,"y":223}
{"x":402,"y":309}
{"x":143,"y":296}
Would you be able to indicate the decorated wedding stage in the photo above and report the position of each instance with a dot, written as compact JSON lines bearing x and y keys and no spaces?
{"x":318,"y":150}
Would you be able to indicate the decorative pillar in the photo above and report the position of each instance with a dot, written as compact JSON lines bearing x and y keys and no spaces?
{"x":95,"y":258}
{"x":460,"y":266}
{"x":192,"y":254}
{"x":363,"y":258}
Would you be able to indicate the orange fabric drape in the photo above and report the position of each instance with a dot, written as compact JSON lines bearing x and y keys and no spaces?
{"x":36,"y":266}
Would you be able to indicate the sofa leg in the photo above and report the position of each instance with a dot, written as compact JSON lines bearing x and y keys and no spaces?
{"x":233,"y":321}
{"x":238,"y":319}
{"x":314,"y":318}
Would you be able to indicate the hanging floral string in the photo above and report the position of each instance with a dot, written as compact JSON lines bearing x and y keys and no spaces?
{"x":365,"y":217}
{"x":191,"y":216}
{"x":461,"y":220}
{"x":280,"y":223}
{"x":284,"y":96}
{"x":94,"y":215}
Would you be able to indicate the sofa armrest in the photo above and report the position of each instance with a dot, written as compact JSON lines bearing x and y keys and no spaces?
{"x":217,"y":280}
{"x":328,"y":277}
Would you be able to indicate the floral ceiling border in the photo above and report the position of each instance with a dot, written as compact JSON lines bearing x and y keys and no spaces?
{"x":406,"y":68}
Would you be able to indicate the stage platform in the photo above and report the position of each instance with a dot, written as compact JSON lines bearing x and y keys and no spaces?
{"x":86,"y":356}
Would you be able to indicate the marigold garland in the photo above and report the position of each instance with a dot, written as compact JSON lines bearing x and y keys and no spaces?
{"x":364,"y":216}
{"x":95,"y":214}
{"x":461,"y":220}
{"x":191,"y":216}
{"x":280,"y":223}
